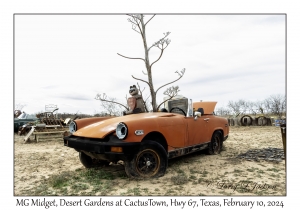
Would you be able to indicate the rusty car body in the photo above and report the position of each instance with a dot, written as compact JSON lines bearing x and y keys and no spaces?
{"x":145,"y":141}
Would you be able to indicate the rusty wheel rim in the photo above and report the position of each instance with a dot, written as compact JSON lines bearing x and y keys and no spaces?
{"x":147,"y":163}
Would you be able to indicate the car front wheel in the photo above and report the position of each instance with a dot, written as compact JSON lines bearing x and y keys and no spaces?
{"x":150,"y":161}
{"x":215,"y":144}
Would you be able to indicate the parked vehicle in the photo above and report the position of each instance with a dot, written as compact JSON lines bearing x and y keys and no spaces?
{"x":23,"y":119}
{"x":145,"y":141}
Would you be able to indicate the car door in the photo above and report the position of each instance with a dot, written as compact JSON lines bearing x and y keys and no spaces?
{"x":197,"y":130}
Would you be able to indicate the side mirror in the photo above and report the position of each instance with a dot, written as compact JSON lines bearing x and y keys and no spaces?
{"x":197,"y":114}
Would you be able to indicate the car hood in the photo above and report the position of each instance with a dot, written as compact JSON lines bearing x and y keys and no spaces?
{"x":105,"y":127}
{"x":207,"y":106}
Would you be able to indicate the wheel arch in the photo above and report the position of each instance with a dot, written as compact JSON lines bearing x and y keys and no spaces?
{"x":156,"y":137}
{"x":219,"y":130}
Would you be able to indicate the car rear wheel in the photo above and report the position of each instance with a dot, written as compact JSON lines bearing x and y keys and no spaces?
{"x":89,"y":162}
{"x":215,"y":144}
{"x":150,"y":161}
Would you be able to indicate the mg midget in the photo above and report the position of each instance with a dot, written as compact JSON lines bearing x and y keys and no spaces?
{"x":146,"y":141}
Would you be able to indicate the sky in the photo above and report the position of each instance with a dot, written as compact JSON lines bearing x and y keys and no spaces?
{"x":66,"y":60}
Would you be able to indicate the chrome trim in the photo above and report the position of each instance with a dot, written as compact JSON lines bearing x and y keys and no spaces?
{"x":72,"y":127}
{"x":121,"y":131}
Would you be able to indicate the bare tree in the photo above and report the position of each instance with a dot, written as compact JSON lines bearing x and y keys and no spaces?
{"x":139,"y":25}
{"x":19,"y":106}
{"x":258,"y":107}
{"x":237,"y":107}
{"x":245,"y":106}
{"x":110,"y":105}
{"x":276,"y":104}
{"x":223,"y":112}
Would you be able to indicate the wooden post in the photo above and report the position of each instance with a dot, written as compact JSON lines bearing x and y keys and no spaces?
{"x":283,"y":135}
{"x":29,"y":134}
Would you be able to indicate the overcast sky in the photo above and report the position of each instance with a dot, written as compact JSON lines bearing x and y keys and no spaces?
{"x":67,"y":59}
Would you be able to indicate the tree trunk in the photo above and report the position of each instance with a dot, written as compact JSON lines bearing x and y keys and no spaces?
{"x":148,"y":67}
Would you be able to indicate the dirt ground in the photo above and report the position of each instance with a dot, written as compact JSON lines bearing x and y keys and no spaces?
{"x":35,"y":163}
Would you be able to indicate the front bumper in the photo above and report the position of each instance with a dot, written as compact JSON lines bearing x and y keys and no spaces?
{"x":103,"y":146}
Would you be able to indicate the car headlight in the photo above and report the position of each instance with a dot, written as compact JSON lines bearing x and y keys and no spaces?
{"x":72,"y":127}
{"x":121,"y":131}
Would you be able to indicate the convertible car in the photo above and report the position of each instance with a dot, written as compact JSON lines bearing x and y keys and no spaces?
{"x":145,"y":141}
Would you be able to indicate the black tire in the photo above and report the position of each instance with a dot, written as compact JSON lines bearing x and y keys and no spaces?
{"x":216,"y":143}
{"x":150,"y":161}
{"x":89,"y":162}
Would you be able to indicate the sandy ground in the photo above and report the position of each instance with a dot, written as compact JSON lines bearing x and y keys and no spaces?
{"x":223,"y":174}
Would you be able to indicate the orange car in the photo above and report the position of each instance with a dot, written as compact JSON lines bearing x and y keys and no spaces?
{"x":145,"y":141}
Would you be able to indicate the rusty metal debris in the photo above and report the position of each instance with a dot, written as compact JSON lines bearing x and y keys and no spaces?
{"x":17,"y":113}
{"x":49,"y":118}
{"x":47,"y":124}
{"x":46,"y":120}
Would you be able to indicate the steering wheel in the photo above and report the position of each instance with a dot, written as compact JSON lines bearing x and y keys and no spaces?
{"x":178,"y":111}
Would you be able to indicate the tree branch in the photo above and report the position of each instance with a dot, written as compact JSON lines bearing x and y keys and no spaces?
{"x":158,"y":58}
{"x":161,"y":41}
{"x":131,"y":58}
{"x":136,"y":23}
{"x":164,"y":102}
{"x":180,"y":76}
{"x":98,"y":97}
{"x":133,"y":28}
{"x":135,"y":18}
{"x":149,"y":20}
{"x":144,"y":102}
{"x":141,"y":80}
{"x":171,"y":92}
